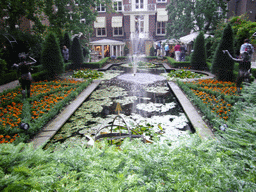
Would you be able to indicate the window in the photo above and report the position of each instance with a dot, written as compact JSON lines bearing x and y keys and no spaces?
{"x":118,"y":6}
{"x":101,"y":32}
{"x":101,"y":8}
{"x":161,"y":1}
{"x":118,"y":31}
{"x":160,"y":29}
{"x":139,"y":4}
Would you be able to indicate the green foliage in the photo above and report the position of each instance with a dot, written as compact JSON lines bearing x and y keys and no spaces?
{"x":185,"y":13}
{"x":174,"y":63}
{"x":198,"y":58}
{"x":242,"y":29}
{"x":16,"y":9}
{"x":152,"y":51}
{"x":223,"y":65}
{"x":8,"y":77}
{"x":52,"y":60}
{"x":126,"y":50}
{"x":66,"y":41}
{"x":87,"y":74}
{"x":76,"y":53}
{"x":183,"y":74}
{"x":2,"y":67}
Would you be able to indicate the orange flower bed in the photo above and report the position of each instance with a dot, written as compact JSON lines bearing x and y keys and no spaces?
{"x":11,"y":112}
{"x":217,"y":104}
{"x":47,"y":102}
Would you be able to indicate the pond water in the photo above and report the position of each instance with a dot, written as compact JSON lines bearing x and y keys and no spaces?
{"x":145,"y":100}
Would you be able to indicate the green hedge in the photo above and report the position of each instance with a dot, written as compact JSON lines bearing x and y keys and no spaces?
{"x":8,"y":77}
{"x":40,"y":76}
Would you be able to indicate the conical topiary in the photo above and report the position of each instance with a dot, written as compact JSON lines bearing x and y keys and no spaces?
{"x":198,"y":58}
{"x":223,"y":65}
{"x":76,"y":53}
{"x":66,"y":41}
{"x":51,"y":58}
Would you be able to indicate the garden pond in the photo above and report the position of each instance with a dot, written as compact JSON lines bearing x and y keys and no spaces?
{"x":147,"y":105}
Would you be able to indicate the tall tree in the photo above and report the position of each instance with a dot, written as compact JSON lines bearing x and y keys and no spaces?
{"x":223,"y":65}
{"x":196,"y":15}
{"x":15,"y":10}
{"x":66,"y":15}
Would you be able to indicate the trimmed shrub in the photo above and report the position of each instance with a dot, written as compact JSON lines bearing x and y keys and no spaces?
{"x":126,"y":50}
{"x":223,"y":65}
{"x":152,"y":51}
{"x":198,"y":58}
{"x":76,"y":53}
{"x":67,"y":41}
{"x":52,"y":60}
{"x":8,"y":77}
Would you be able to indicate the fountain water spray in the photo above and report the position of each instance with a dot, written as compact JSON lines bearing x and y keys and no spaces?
{"x":137,"y":40}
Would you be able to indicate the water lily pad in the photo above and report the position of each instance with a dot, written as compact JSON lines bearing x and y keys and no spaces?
{"x":158,"y":107}
{"x":157,"y":89}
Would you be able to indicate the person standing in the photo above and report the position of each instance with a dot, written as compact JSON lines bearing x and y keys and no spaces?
{"x":246,"y":52}
{"x":177,"y":51}
{"x":166,"y":48}
{"x":182,"y":52}
{"x":65,"y":53}
{"x":159,"y":48}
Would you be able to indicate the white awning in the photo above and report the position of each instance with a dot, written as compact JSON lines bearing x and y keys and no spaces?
{"x":162,"y":15}
{"x":100,"y":22}
{"x":107,"y":42}
{"x":191,"y":37}
{"x":117,"y":21}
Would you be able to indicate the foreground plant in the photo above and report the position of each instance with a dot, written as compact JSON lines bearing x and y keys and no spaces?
{"x":87,"y":74}
{"x":183,"y":74}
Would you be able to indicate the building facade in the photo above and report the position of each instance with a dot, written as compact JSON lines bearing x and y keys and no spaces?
{"x":146,"y":19}
{"x":239,"y":7}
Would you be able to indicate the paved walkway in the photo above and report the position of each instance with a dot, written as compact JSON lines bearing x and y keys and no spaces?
{"x":10,"y":85}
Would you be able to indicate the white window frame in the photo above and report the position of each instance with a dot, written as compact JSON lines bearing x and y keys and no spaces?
{"x":161,"y":27}
{"x":114,"y":35}
{"x":139,"y":4}
{"x":117,"y":6}
{"x":101,"y":8}
{"x":97,"y":34}
{"x":161,"y":1}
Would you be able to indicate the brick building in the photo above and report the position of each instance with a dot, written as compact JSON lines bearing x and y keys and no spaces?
{"x":146,"y":16}
{"x":112,"y":31}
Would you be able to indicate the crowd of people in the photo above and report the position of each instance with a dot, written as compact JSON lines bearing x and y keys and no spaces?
{"x":179,"y":51}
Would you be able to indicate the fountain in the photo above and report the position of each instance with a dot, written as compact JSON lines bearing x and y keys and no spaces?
{"x":144,"y":97}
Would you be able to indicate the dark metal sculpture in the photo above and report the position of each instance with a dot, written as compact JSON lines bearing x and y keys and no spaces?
{"x":25,"y":76}
{"x":244,"y":67}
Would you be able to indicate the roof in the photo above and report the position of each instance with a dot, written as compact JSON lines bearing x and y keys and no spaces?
{"x":107,"y":42}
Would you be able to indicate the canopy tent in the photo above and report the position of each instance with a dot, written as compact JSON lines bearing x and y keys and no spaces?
{"x":191,"y":37}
